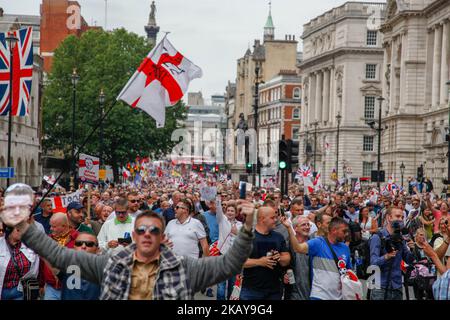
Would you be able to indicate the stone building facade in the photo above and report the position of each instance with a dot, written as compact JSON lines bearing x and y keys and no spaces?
{"x":271,"y":56}
{"x":342,"y":74}
{"x":416,"y":63}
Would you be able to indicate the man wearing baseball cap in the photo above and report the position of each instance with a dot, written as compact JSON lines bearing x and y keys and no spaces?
{"x":76,"y":217}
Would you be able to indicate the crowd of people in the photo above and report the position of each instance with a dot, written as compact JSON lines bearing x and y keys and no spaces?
{"x":164,"y":241}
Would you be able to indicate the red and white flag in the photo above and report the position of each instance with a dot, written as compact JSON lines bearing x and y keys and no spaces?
{"x":161,"y":80}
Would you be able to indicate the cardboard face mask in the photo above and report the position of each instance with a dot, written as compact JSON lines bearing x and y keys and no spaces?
{"x":16,"y":209}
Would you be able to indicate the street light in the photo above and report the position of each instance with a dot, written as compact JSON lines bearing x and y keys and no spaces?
{"x":379,"y":144}
{"x":101,"y":100}
{"x":315,"y":124}
{"x":75,"y":77}
{"x":12,"y":40}
{"x":338,"y":118}
{"x":402,"y":171}
{"x":448,"y":141}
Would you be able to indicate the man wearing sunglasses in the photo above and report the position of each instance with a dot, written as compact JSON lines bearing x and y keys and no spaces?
{"x":74,"y":288}
{"x":147,"y":269}
{"x":112,"y":235}
{"x":186,"y":233}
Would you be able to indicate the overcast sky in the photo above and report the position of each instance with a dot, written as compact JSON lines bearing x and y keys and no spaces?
{"x":211,"y":33}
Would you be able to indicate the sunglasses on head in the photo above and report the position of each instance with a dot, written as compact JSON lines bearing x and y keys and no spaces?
{"x":152,"y":229}
{"x":88,"y":244}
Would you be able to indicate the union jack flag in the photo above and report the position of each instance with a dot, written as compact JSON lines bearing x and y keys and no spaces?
{"x":303,"y":172}
{"x":22,"y":72}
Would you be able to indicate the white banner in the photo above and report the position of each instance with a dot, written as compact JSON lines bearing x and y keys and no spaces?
{"x":63,"y":201}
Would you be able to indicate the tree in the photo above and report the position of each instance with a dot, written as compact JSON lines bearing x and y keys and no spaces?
{"x":103,"y":60}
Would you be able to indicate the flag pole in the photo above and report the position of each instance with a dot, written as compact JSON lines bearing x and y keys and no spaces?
{"x":11,"y":44}
{"x":76,"y":155}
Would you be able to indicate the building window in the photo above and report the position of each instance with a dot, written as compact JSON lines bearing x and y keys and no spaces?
{"x":367,"y":168}
{"x":295,"y":134}
{"x":372,"y":37}
{"x":297,"y":93}
{"x":369,"y":107}
{"x":368,"y":143}
{"x":296,"y":113}
{"x":371,"y":71}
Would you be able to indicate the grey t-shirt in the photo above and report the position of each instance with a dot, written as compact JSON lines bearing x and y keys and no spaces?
{"x":302,"y":288}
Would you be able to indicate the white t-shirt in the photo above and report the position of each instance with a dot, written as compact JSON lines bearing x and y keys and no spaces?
{"x":185,"y":237}
{"x":112,"y":230}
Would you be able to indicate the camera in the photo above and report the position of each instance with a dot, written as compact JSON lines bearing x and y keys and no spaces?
{"x":395,"y":242}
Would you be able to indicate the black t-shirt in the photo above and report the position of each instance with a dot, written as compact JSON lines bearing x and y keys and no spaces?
{"x":261,"y":278}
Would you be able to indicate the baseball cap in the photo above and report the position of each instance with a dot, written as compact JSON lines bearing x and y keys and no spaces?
{"x":75,"y":205}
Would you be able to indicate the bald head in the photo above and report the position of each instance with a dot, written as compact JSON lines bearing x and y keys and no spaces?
{"x":59,"y":217}
{"x":267,"y":219}
{"x":59,"y":224}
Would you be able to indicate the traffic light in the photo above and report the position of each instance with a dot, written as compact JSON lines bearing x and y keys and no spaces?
{"x":248,"y":164}
{"x":201,"y":168}
{"x":194,"y":167}
{"x":283,"y":154}
{"x":294,"y":150}
{"x":216,"y":168}
{"x":420,"y":173}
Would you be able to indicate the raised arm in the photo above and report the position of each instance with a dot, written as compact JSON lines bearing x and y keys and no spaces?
{"x":296,"y":246}
{"x":91,"y":265}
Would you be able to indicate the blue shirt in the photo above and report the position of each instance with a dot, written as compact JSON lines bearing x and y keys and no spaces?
{"x":377,"y":258}
{"x":169,"y":214}
{"x":326,"y":283}
{"x":213,"y":226}
{"x":45,"y":221}
{"x":87,"y":290}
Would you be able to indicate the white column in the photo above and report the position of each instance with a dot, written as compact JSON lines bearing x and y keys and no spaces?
{"x":318,"y":102}
{"x":303,"y":120}
{"x":444,"y":59}
{"x":326,"y":95}
{"x":436,"y":66}
{"x":383,"y":73}
{"x":312,"y":98}
{"x":333,"y":112}
{"x":403,"y":58}
{"x":393,"y":89}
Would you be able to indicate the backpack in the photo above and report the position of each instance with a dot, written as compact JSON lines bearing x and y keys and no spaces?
{"x":362,"y":259}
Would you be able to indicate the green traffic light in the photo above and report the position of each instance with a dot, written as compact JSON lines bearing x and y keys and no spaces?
{"x":249,"y":165}
{"x":282,"y":165}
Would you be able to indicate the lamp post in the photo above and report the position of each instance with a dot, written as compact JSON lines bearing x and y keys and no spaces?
{"x":338,"y":119}
{"x":75,"y":77}
{"x":12,"y":40}
{"x":379,"y":144}
{"x":402,"y":171}
{"x":315,"y":124}
{"x":256,"y":106}
{"x":101,"y":100}
{"x":448,"y":141}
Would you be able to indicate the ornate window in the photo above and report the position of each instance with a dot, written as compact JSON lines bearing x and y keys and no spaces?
{"x":368,"y":143}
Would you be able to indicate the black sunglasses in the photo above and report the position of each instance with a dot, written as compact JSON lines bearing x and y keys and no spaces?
{"x":133,"y":201}
{"x":152,"y":229}
{"x":121,"y":212}
{"x":88,"y":244}
{"x":180,"y":207}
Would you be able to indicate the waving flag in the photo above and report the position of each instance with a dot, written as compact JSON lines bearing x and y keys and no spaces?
{"x":22,"y":73}
{"x":161,"y":80}
{"x":357,"y":186}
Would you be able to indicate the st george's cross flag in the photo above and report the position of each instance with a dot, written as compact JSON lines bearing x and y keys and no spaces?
{"x":161,"y":80}
{"x":22,"y":72}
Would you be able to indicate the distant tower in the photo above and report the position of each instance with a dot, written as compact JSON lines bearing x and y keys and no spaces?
{"x":151,"y":28}
{"x":269,"y":29}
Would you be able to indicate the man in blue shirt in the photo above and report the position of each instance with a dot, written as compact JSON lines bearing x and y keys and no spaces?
{"x":326,"y":281}
{"x":388,"y":255}
{"x":211,"y":220}
{"x":43,"y":217}
{"x":74,"y":288}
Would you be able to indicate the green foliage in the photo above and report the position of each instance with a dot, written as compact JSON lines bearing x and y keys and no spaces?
{"x":103,"y":60}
